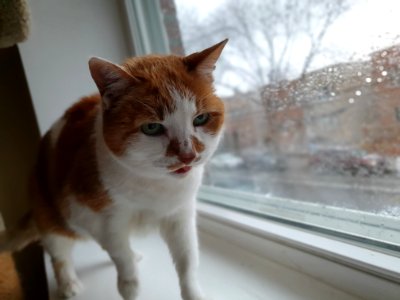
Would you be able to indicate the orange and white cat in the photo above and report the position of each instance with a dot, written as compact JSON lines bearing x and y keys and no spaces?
{"x":128,"y":158}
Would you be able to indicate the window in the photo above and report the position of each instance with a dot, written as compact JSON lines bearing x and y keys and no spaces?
{"x":310,"y":88}
{"x":397,"y":112}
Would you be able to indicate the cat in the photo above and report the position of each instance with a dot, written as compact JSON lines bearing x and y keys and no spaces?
{"x":131,"y":156}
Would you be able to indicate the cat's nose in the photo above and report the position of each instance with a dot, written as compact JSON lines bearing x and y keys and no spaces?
{"x":187,"y":158}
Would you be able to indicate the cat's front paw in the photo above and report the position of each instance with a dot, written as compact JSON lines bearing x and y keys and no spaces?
{"x":128,"y":288}
{"x":195,"y":296}
{"x":201,"y":298}
{"x":198,"y":298}
{"x":70,"y":288}
{"x":137,"y":256}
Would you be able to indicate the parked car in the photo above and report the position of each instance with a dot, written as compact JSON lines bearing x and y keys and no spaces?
{"x":352,"y":162}
{"x":379,"y":164}
{"x":266,"y":162}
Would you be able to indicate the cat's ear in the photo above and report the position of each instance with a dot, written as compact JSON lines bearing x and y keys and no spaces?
{"x":111,"y":80}
{"x":204,"y":62}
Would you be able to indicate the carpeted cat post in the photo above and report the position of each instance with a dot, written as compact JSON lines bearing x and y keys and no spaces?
{"x":10,"y":285}
{"x":14,"y":22}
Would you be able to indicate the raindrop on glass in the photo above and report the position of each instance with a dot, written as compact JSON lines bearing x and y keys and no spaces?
{"x":358,"y":93}
{"x":384,"y":73}
{"x":368,"y":79}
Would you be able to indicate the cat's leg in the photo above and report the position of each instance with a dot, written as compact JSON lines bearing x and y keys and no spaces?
{"x":59,"y":248}
{"x":115,"y":240}
{"x":180,"y":234}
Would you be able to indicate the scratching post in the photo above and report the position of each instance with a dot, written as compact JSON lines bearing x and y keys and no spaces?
{"x":10,"y":286}
{"x":14,"y":22}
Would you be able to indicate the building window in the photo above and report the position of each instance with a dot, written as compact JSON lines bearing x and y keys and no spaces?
{"x":397,"y":111}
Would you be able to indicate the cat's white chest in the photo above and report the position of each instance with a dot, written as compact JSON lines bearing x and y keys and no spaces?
{"x":157,"y":197}
{"x":136,"y":203}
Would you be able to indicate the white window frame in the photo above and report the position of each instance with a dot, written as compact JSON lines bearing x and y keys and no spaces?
{"x":365,"y":272}
{"x":146,"y":27}
{"x":376,"y":231}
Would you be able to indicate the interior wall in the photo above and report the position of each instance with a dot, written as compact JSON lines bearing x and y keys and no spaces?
{"x":64,"y":35}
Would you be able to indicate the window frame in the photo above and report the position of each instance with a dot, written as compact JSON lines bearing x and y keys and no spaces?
{"x":368,"y":273}
{"x":353,"y":226}
{"x":146,"y":27}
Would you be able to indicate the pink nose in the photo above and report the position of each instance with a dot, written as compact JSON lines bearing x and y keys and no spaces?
{"x":187,"y":158}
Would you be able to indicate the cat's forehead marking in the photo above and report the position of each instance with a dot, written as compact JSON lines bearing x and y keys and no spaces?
{"x":182,"y":96}
{"x":184,"y":102}
{"x":180,"y":120}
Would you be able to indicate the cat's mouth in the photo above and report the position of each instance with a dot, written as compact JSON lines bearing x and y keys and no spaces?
{"x":183,"y":170}
{"x":179,"y":168}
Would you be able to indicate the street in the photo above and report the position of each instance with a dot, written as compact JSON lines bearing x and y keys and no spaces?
{"x":373,"y":194}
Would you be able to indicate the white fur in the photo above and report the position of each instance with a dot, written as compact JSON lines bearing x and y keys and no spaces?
{"x":145,"y":194}
{"x":60,"y":250}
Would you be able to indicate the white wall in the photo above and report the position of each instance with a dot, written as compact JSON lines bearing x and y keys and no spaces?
{"x":64,"y":35}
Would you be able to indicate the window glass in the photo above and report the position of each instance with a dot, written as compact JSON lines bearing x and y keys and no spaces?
{"x":312,"y":95}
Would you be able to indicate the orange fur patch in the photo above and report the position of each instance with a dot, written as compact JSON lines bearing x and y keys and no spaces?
{"x":69,"y":168}
{"x":10,"y":286}
{"x":173,"y":148}
{"x":77,"y":154}
{"x":197,"y":145}
{"x":47,"y":211}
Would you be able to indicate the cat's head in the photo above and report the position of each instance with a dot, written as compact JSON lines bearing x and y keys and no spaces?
{"x":160,"y":114}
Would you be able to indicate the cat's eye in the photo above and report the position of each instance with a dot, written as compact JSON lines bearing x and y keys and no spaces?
{"x":152,"y":129}
{"x":200,"y":120}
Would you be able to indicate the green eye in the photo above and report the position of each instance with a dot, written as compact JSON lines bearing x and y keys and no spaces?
{"x":152,"y":129}
{"x":200,"y":120}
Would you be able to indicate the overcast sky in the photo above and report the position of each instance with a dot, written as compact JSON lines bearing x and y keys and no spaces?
{"x":367,"y":26}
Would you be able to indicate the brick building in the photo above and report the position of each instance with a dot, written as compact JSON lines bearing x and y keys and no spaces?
{"x":350,"y":105}
{"x":171,"y":23}
{"x":245,"y":125}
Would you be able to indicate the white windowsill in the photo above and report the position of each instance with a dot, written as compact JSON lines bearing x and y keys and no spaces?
{"x":227,"y":271}
{"x":358,"y":271}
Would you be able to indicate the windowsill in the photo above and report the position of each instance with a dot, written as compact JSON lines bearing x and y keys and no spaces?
{"x":227,"y":271}
{"x":247,"y":258}
{"x":356,"y":270}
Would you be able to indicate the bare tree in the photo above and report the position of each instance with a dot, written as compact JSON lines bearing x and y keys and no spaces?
{"x":265,"y":36}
